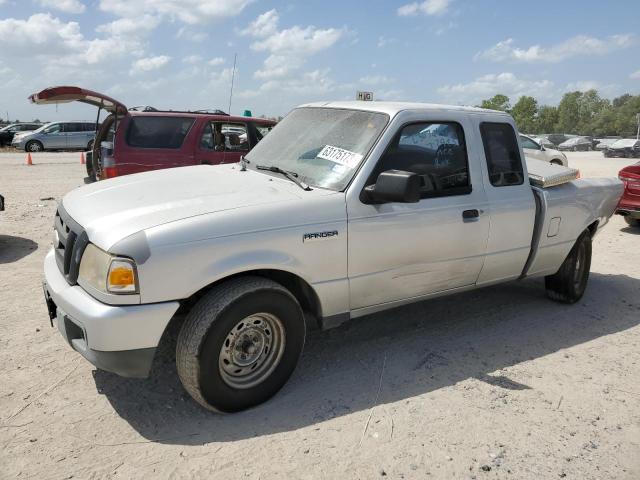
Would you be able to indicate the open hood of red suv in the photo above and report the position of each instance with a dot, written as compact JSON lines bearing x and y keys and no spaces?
{"x":67,"y":94}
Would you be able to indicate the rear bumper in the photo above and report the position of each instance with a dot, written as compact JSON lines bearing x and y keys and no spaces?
{"x":119,"y":339}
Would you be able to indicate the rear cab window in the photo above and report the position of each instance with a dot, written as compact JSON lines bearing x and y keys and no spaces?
{"x":502,"y":154}
{"x":158,"y":132}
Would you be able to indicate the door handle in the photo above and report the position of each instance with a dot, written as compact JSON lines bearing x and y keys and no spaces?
{"x":468,"y":215}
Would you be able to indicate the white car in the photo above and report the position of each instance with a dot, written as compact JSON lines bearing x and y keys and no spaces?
{"x":534,"y":149}
{"x":344,"y":209}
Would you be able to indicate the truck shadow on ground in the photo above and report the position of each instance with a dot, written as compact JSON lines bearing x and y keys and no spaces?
{"x":427,"y":346}
{"x":13,"y":248}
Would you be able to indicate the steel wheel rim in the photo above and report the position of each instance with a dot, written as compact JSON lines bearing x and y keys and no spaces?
{"x":252,"y":350}
{"x":34,"y":147}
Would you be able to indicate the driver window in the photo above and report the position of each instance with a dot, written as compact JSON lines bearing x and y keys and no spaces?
{"x":55,"y":128}
{"x":436,"y":152}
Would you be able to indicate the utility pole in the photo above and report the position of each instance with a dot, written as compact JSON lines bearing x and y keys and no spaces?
{"x":233,"y":76}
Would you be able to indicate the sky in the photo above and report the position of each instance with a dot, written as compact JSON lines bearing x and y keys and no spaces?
{"x":179,"y":54}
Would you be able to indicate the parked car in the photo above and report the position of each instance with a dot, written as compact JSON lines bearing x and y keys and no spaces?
{"x":544,"y":141}
{"x":148,"y":139}
{"x":626,"y":147}
{"x":604,"y":143}
{"x":7,"y":133}
{"x":577,"y":144}
{"x":534,"y":150}
{"x":57,"y":136}
{"x":629,"y":205}
{"x":339,"y":212}
{"x":558,"y":138}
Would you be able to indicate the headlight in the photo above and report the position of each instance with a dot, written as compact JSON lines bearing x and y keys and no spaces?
{"x":107,"y":273}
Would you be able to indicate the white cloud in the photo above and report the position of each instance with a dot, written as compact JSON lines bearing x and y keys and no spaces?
{"x":214,"y":62}
{"x":192,"y":36}
{"x":488,"y":85}
{"x":575,"y":46}
{"x":67,"y":6}
{"x":384,"y":41}
{"x":187,"y":11}
{"x":148,"y":64}
{"x":288,"y":48}
{"x":428,"y":7}
{"x":192,"y":59}
{"x":129,"y":26}
{"x":635,"y":75}
{"x":266,"y":24}
{"x":374,"y":80}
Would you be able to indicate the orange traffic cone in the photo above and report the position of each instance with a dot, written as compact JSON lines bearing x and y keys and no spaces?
{"x":82,"y":162}
{"x":29,"y":161}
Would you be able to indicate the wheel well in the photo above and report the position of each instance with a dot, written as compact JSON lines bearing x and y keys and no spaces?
{"x":556,"y":161}
{"x":299,"y":288}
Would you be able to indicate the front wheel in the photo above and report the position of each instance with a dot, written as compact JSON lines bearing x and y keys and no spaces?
{"x":34,"y":146}
{"x":569,"y":283}
{"x":240,"y":344}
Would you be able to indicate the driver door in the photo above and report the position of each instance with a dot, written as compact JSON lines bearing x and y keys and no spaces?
{"x":399,"y":251}
{"x":55,"y":136}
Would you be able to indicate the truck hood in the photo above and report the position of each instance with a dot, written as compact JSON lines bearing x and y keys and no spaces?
{"x":113,"y":209}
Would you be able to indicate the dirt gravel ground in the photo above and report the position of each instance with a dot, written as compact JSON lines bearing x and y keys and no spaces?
{"x":496,"y":383}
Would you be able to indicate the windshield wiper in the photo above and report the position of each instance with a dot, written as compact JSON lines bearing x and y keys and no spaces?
{"x":290,"y":175}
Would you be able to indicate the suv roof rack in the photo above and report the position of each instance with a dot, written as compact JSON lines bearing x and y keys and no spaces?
{"x":143,"y":108}
{"x":147,"y":108}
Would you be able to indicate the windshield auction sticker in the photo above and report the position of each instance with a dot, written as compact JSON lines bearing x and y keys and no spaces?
{"x":340,"y":156}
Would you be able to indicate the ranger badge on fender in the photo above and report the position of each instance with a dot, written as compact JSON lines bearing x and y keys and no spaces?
{"x":312,"y":237}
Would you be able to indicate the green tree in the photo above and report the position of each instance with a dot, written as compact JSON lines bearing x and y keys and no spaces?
{"x":497,"y":102}
{"x":590,"y":105}
{"x":524,"y":112}
{"x":569,"y":112}
{"x":547,"y":119}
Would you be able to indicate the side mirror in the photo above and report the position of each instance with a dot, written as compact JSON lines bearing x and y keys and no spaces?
{"x":394,"y":186}
{"x":542,"y":148}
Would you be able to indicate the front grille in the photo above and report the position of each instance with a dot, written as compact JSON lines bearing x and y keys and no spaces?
{"x":71,"y":240}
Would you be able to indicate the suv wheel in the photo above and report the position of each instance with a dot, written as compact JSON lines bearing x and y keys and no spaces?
{"x":34,"y":146}
{"x":570,"y":282}
{"x":632,"y":222}
{"x":240,"y":344}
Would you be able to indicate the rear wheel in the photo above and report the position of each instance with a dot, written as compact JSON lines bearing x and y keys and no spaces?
{"x":556,"y":162}
{"x":240,"y":344}
{"x":632,"y":222}
{"x":34,"y":146}
{"x":569,"y":283}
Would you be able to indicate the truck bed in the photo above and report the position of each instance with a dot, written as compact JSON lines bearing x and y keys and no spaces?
{"x":563,"y":213}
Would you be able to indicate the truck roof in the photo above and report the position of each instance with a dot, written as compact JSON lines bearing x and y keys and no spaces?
{"x":392,"y":108}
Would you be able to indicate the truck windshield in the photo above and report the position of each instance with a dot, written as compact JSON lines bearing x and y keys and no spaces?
{"x":323,"y":146}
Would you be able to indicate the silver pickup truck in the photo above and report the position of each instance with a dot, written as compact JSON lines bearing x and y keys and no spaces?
{"x":344,"y":209}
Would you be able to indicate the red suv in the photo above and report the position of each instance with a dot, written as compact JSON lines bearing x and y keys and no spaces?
{"x":143,"y":138}
{"x":629,"y":205}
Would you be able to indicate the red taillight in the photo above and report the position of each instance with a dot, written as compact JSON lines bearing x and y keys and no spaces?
{"x":109,"y":172}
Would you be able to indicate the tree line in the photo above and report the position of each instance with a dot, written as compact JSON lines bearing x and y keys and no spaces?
{"x":579,"y":113}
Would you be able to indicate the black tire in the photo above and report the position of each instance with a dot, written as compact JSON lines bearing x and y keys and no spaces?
{"x":569,"y":283}
{"x":556,"y":162}
{"x":203,"y":342}
{"x":632,"y":222}
{"x":89,"y":164}
{"x":34,"y":146}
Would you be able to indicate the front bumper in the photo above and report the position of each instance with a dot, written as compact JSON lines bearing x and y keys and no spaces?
{"x":119,"y":339}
